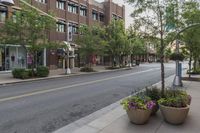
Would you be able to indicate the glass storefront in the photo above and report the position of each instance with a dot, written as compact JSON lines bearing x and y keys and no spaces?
{"x":12,"y":56}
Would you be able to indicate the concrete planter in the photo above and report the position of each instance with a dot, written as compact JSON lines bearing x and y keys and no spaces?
{"x":138,"y":116}
{"x":174,"y":115}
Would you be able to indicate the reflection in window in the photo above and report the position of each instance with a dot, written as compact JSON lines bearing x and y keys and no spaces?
{"x":83,"y":11}
{"x":3,"y":13}
{"x":60,"y":4}
{"x":73,"y":8}
{"x":60,"y":26}
{"x":94,"y":15}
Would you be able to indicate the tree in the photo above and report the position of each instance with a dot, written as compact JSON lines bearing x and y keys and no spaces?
{"x":137,"y":42}
{"x":29,"y":29}
{"x":117,"y":40}
{"x":91,"y":42}
{"x":155,"y":19}
{"x":191,"y":15}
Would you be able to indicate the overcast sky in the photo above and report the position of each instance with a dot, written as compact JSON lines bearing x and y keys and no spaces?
{"x":128,"y":10}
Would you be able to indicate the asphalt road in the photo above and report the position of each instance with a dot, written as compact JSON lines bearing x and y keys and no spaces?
{"x":46,"y":105}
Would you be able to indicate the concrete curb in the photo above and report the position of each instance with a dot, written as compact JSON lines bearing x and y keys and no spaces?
{"x":101,"y":118}
{"x":61,"y":76}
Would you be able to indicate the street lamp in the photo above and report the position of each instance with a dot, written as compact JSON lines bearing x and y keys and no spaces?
{"x":68,"y":71}
{"x":177,"y":79}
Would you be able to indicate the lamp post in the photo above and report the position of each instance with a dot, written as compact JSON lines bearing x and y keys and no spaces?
{"x":177,"y":79}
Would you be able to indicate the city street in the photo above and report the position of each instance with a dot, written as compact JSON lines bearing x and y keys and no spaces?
{"x":46,"y":105}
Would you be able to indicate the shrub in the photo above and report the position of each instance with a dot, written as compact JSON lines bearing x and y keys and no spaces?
{"x":87,"y":69}
{"x":175,"y":98}
{"x":42,"y":71}
{"x":196,"y":71}
{"x":153,"y":92}
{"x":20,"y":73}
{"x":137,"y":102}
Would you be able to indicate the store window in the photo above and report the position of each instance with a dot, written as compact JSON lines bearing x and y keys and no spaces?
{"x":3,"y":13}
{"x":60,"y":4}
{"x":83,"y":11}
{"x":72,"y":7}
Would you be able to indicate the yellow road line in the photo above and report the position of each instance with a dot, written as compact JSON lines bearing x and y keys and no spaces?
{"x":70,"y":86}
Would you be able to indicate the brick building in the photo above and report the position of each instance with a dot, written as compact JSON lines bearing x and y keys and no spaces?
{"x":71,"y":14}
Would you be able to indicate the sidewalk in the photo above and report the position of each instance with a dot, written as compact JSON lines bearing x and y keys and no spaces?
{"x":113,"y":119}
{"x":7,"y":78}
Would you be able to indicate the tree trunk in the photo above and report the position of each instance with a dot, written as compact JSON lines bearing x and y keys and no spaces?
{"x":194,"y":64}
{"x":190,"y":64}
{"x":162,"y":56}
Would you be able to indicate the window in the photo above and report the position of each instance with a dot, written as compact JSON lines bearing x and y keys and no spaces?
{"x":60,"y":4}
{"x":73,"y":8}
{"x":14,"y":15}
{"x":114,"y":16}
{"x":83,"y":11}
{"x":42,"y":1}
{"x":73,"y":28}
{"x":120,"y":17}
{"x":3,"y":13}
{"x":94,"y":15}
{"x":101,"y":17}
{"x":60,"y":26}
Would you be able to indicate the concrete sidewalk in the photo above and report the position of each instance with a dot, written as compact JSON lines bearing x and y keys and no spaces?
{"x":7,"y":78}
{"x":113,"y":119}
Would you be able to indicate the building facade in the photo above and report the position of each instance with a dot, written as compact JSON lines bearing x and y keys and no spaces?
{"x":71,"y":14}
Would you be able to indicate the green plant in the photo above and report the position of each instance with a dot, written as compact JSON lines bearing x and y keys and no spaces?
{"x":177,"y":56}
{"x":87,"y":69}
{"x":196,"y":71}
{"x":175,"y":98}
{"x":20,"y":73}
{"x":153,"y":92}
{"x":137,"y":102}
{"x":42,"y":71}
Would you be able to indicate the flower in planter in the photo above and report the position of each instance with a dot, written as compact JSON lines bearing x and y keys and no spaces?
{"x":150,"y":104}
{"x":137,"y":102}
{"x":138,"y":108}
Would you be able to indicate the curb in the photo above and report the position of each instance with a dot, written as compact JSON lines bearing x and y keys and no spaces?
{"x":61,"y":76}
{"x":91,"y":121}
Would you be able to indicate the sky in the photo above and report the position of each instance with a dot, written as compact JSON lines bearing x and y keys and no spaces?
{"x":128,"y":10}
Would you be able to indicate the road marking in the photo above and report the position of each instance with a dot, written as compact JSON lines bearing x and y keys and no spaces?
{"x":70,"y":86}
